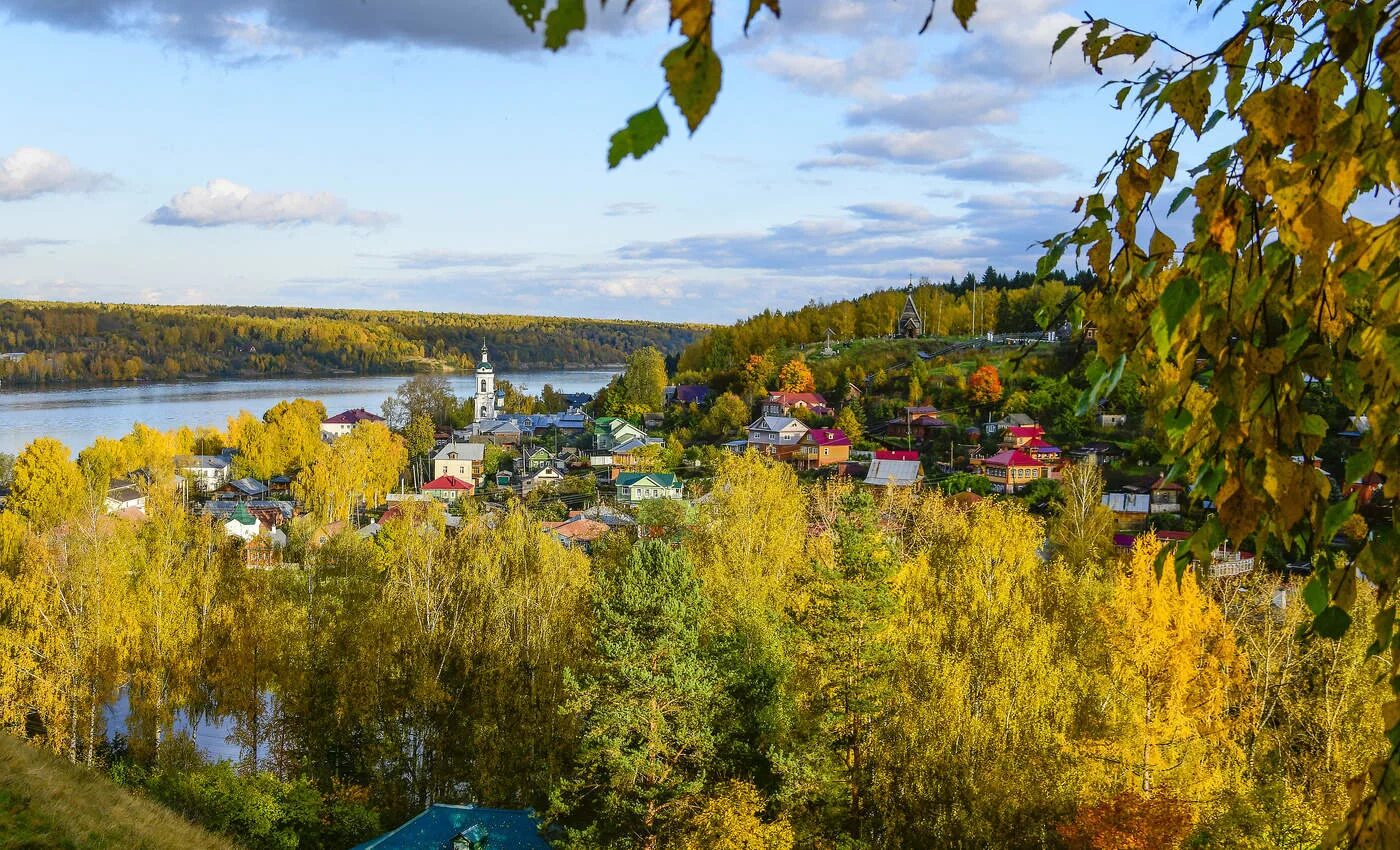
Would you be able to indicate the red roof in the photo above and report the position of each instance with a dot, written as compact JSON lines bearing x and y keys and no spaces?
{"x":1012,"y":457}
{"x":894,"y":455}
{"x":353,"y":417}
{"x":1028,"y":431}
{"x":828,"y":437}
{"x":448,"y":482}
{"x":809,"y":399}
{"x":1038,"y":443}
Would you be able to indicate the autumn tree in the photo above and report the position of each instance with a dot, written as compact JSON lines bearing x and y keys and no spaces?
{"x":984,"y":387}
{"x":796,"y":377}
{"x":641,"y":388}
{"x":758,"y":368}
{"x":1128,"y":821}
{"x":726,"y":417}
{"x":1082,"y":528}
{"x":47,"y":487}
{"x":850,"y":424}
{"x":421,"y":395}
{"x":732,"y":818}
{"x":1179,"y":680}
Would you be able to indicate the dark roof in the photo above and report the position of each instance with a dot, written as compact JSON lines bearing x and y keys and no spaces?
{"x":691,"y":393}
{"x":353,"y":417}
{"x":435,"y":829}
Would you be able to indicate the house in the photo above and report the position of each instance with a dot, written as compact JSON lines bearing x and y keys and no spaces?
{"x":497,"y":432}
{"x":124,"y":495}
{"x":1110,"y":420}
{"x":1135,"y":501}
{"x":653,"y":420}
{"x":1010,"y":420}
{"x":775,"y":435}
{"x":609,"y":431}
{"x":247,"y":527}
{"x":208,"y":472}
{"x":782,"y":403}
{"x":1098,"y":452}
{"x":822,"y":447}
{"x":635,"y":487}
{"x":343,"y":423}
{"x":895,"y":469}
{"x":537,"y":458}
{"x":462,"y":460}
{"x":539,"y":478}
{"x":1042,"y":451}
{"x":688,"y":394}
{"x":1368,"y":488}
{"x":917,"y":423}
{"x":446,"y":827}
{"x":1017,"y":436}
{"x":273,"y":512}
{"x":1011,"y":470}
{"x":242,"y":488}
{"x":578,"y":531}
{"x":448,"y":488}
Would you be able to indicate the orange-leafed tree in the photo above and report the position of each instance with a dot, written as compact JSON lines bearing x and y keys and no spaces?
{"x":758,"y":369}
{"x":1128,"y":821}
{"x":796,"y":378}
{"x":984,"y":387}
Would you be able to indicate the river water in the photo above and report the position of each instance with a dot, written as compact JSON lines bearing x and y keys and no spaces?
{"x":78,"y":416}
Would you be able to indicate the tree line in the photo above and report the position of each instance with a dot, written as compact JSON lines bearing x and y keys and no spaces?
{"x":993,"y":302}
{"x":779,"y":664}
{"x":70,"y":343}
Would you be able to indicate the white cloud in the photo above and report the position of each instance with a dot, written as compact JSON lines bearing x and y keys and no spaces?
{"x":221,"y":202}
{"x":629,"y":208}
{"x":960,"y":104}
{"x":861,"y":73}
{"x":11,"y":247}
{"x":30,"y":172}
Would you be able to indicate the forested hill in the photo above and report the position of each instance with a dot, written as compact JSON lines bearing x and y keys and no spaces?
{"x":1004,"y":304}
{"x":86,"y":342}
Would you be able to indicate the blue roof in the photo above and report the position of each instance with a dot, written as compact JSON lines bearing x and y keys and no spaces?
{"x":434,"y":829}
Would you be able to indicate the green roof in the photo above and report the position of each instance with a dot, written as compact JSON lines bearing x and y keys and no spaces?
{"x":662,"y":479}
{"x":501,"y":829}
{"x":242,"y":516}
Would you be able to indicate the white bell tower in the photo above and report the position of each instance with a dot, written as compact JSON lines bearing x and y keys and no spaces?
{"x":485,"y":387}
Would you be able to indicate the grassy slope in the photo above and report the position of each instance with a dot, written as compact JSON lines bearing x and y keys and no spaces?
{"x":47,"y":803}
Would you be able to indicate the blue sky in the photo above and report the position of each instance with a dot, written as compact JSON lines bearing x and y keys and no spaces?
{"x":427,"y":154}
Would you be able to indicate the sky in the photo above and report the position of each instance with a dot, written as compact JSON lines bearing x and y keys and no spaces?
{"x":429,"y":154}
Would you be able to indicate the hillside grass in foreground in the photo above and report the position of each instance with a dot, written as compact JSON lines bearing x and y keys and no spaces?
{"x":48,"y":804}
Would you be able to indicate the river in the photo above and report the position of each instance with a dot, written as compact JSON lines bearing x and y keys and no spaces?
{"x":78,"y":416}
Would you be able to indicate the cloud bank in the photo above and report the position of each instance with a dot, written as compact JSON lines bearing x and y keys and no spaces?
{"x":30,"y":172}
{"x":224,"y":202}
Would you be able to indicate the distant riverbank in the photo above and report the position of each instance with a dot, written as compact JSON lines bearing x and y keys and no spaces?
{"x":78,"y":415}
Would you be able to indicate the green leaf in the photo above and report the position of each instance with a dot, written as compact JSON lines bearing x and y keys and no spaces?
{"x":529,"y":11}
{"x":1180,"y":199}
{"x":1359,"y":464}
{"x":644,"y":131}
{"x":1313,"y":425}
{"x":1332,"y":623}
{"x":1176,"y":422}
{"x":693,"y":72}
{"x":1335,"y":516}
{"x":1315,"y":595}
{"x":964,"y":10}
{"x":1178,"y":299}
{"x":1385,"y":630}
{"x":1063,"y":38}
{"x":563,"y":19}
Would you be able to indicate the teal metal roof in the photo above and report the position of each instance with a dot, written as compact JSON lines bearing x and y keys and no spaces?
{"x":662,"y":479}
{"x":439,"y":824}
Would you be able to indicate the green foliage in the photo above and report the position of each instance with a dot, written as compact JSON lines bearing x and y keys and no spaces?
{"x":645,"y":708}
{"x":644,"y":131}
{"x":46,"y":486}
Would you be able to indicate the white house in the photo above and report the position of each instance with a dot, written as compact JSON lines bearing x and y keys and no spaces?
{"x":243,"y":525}
{"x":209,"y":472}
{"x":775,"y":435}
{"x":461,"y":460}
{"x":343,"y":423}
{"x":124,"y":495}
{"x":539,"y":478}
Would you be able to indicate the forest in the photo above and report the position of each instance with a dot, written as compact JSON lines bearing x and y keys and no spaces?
{"x":778,"y":665}
{"x":57,"y":343}
{"x":991,"y":303}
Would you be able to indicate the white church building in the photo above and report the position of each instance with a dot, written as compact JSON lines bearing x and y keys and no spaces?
{"x":489,"y":400}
